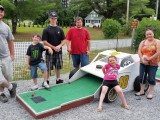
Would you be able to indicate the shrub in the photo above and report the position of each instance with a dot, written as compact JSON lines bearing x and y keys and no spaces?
{"x":141,"y":29}
{"x":111,"y":28}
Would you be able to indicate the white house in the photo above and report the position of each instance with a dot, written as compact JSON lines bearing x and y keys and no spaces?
{"x":93,"y":20}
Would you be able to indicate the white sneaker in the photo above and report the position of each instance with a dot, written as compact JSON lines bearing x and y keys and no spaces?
{"x":35,"y":87}
{"x":45,"y":85}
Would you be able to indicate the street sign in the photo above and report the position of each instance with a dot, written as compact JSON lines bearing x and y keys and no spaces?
{"x":134,"y":23}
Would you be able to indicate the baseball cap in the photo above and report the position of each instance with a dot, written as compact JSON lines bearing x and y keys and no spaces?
{"x":1,"y":8}
{"x":52,"y":14}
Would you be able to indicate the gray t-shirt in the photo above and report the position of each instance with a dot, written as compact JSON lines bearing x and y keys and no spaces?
{"x":5,"y":35}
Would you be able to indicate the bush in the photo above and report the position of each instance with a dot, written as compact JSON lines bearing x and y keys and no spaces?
{"x":141,"y":29}
{"x":111,"y":28}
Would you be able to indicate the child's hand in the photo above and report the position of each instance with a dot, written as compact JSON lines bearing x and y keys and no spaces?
{"x":50,"y":51}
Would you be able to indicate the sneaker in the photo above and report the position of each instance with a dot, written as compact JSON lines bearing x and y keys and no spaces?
{"x":59,"y":81}
{"x":3,"y":98}
{"x":35,"y":87}
{"x":13,"y":90}
{"x":45,"y":85}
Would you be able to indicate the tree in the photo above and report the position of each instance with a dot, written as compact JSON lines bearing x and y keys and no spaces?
{"x":117,"y":8}
{"x":152,"y":4}
{"x":80,"y":8}
{"x":143,"y":25}
{"x":139,"y":9}
{"x":25,"y":9}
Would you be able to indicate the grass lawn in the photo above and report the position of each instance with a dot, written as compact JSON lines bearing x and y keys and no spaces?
{"x":25,"y":33}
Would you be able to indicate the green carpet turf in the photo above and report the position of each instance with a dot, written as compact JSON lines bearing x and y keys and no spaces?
{"x":63,"y":93}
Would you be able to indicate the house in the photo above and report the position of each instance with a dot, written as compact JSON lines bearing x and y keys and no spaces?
{"x":93,"y":20}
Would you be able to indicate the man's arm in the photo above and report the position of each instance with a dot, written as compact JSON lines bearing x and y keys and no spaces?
{"x":49,"y":49}
{"x":60,"y":45}
{"x":88,"y":42}
{"x":68,"y":43}
{"x":49,"y":45}
{"x":89,"y":46}
{"x":11,"y":48}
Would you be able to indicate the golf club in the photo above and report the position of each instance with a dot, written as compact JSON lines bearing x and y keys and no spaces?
{"x":69,"y":65}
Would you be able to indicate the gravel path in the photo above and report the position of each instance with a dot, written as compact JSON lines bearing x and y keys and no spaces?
{"x":140,"y":109}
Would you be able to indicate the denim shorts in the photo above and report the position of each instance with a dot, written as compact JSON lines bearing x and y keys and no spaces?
{"x":148,"y":73}
{"x":34,"y":68}
{"x":80,"y":60}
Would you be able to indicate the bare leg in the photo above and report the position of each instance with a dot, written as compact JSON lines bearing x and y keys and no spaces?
{"x":141,"y":92}
{"x":150,"y":92}
{"x":102,"y":96}
{"x":121,"y":95}
{"x":57,"y":71}
{"x":35,"y":81}
{"x":45,"y":75}
{"x":1,"y":88}
{"x":5,"y":84}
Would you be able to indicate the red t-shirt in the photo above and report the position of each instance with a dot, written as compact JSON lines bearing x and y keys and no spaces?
{"x":79,"y":40}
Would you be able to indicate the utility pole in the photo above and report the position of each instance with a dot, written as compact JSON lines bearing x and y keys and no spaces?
{"x":127,"y":14}
{"x":157,"y":6}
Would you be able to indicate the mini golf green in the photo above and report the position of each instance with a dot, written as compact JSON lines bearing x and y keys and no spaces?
{"x":60,"y":94}
{"x":158,"y":74}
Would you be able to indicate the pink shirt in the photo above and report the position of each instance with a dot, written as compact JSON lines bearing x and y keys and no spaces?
{"x":110,"y":71}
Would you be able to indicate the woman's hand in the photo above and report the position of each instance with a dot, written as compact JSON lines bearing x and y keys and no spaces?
{"x":145,"y":60}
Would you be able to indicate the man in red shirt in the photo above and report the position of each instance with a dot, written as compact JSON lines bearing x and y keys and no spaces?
{"x":78,"y":43}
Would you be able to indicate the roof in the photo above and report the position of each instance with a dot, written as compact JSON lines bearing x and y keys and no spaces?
{"x":94,"y":17}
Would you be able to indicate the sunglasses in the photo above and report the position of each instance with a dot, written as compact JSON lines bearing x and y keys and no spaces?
{"x":53,"y":18}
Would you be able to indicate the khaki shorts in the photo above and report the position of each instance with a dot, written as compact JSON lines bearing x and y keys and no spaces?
{"x":6,"y":69}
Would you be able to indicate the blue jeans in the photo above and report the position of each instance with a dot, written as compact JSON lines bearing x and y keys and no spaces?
{"x":148,"y":72}
{"x":34,"y":68}
{"x":80,"y":59}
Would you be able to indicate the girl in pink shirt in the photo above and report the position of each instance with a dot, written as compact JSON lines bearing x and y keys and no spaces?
{"x":110,"y":71}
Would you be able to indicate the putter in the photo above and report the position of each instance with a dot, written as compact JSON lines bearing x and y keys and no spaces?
{"x":33,"y":94}
{"x":69,"y":65}
{"x":49,"y":66}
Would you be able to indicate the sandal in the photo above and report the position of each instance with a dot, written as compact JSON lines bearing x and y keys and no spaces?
{"x":139,"y":94}
{"x":125,"y":107}
{"x":149,"y":96}
{"x":99,"y":109}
